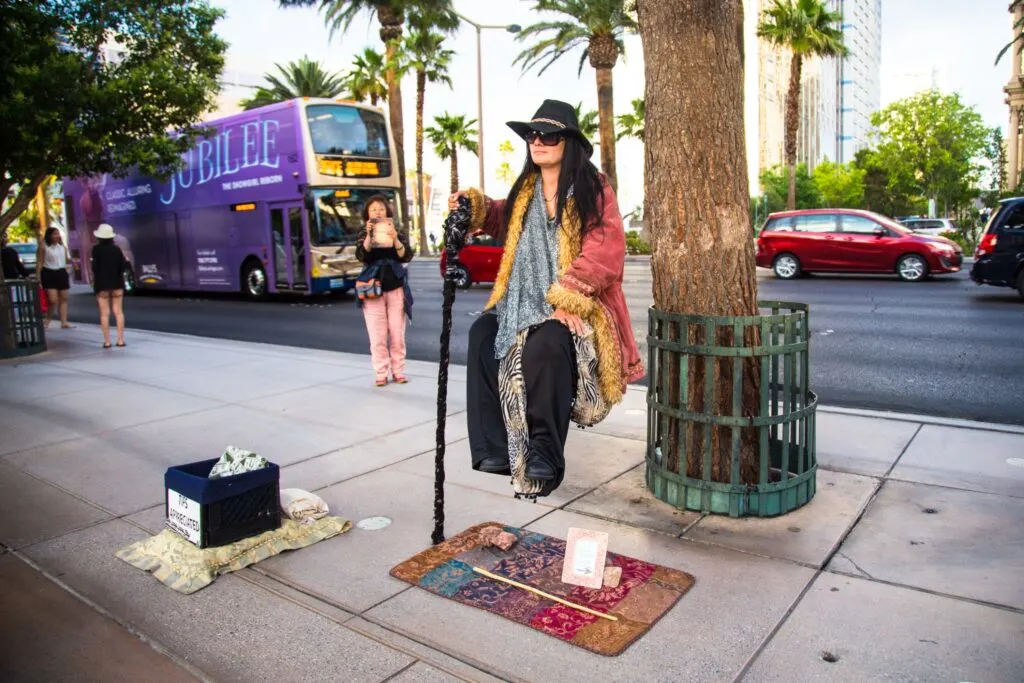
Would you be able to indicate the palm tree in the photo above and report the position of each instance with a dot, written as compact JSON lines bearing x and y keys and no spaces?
{"x":808,"y":29}
{"x":599,"y":26}
{"x":1018,"y":29}
{"x":365,"y":80}
{"x":632,"y":124}
{"x":425,"y":54}
{"x":338,"y":16}
{"x":448,"y":135}
{"x":304,"y":78}
{"x":588,"y":123}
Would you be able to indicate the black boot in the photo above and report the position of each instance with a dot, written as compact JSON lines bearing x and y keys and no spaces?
{"x":539,"y":470}
{"x":494,"y":465}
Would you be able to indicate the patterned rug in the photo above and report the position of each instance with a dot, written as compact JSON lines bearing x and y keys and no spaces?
{"x":645,"y":594}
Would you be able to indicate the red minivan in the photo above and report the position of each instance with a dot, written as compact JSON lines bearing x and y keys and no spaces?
{"x":479,"y":259}
{"x":851,"y":241}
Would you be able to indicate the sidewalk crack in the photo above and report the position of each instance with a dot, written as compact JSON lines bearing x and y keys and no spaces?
{"x":855,"y":565}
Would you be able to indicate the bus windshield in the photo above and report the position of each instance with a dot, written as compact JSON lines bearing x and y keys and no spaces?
{"x":349,"y":131}
{"x":336,"y":215}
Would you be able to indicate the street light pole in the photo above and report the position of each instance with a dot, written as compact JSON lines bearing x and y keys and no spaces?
{"x":480,"y":108}
{"x":511,"y":28}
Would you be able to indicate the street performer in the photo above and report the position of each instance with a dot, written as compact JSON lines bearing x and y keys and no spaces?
{"x":555,"y":342}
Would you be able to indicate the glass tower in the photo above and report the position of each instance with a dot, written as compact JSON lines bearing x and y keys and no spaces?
{"x":858,"y":87}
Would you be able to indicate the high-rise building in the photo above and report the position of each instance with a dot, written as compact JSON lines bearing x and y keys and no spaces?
{"x":837,"y":96}
{"x":859,"y":91}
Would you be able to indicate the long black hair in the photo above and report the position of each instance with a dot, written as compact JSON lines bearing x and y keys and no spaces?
{"x":577,"y":172}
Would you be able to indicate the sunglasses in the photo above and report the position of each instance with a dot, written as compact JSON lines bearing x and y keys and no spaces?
{"x":546,"y":139}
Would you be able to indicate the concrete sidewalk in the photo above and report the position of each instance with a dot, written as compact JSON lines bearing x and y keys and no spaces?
{"x":905,"y":566}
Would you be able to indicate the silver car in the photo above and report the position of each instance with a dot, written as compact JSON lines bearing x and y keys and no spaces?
{"x":930,"y":226}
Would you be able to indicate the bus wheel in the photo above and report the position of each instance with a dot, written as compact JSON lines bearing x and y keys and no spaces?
{"x":254,"y":280}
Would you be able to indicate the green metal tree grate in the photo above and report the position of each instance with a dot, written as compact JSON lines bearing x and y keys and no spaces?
{"x":772,"y":348}
{"x":21,"y":319}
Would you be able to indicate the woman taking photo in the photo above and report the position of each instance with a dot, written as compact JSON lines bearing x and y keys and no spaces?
{"x":383,"y":289}
{"x":108,"y":265}
{"x":558,"y":293}
{"x":52,"y":273}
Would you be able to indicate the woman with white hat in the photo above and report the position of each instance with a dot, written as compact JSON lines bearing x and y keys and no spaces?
{"x":108,"y":264}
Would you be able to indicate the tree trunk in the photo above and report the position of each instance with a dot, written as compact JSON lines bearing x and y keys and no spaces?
{"x":606,"y":124}
{"x":455,"y":171}
{"x":421,"y":213}
{"x":397,"y":126}
{"x":43,"y":208}
{"x":792,"y":125}
{"x":26,"y":193}
{"x":697,"y":207}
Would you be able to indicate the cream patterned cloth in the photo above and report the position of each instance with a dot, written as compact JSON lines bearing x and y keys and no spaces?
{"x":177,"y":563}
{"x":303,"y":506}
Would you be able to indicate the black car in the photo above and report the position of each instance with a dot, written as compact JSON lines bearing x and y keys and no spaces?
{"x":999,"y":258}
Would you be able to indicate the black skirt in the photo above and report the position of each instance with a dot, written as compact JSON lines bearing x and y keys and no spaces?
{"x":53,"y":278}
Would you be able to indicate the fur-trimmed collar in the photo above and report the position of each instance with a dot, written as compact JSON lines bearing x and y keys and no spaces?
{"x":569,"y":239}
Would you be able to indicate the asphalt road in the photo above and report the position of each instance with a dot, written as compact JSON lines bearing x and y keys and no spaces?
{"x":942,"y":347}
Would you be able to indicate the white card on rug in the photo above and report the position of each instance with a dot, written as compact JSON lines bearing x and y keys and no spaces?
{"x":585,"y":553}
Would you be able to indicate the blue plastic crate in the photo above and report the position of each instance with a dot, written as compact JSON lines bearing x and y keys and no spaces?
{"x":212,"y":512}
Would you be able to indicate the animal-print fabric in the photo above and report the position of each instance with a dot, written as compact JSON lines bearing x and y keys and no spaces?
{"x":588,"y":408}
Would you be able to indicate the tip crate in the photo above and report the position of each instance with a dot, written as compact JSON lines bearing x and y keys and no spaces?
{"x":211,"y":512}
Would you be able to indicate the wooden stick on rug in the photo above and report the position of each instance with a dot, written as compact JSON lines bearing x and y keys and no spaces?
{"x":548,"y":596}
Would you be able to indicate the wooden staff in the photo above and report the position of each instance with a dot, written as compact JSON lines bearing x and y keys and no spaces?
{"x":548,"y":596}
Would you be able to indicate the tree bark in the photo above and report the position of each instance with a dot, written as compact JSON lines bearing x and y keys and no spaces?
{"x":421,"y":89}
{"x":397,"y":126}
{"x":697,"y":207}
{"x":606,"y":124}
{"x":455,"y":170}
{"x":792,"y":125}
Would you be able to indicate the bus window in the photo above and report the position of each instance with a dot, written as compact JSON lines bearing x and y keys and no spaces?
{"x":336,"y":216}
{"x":280,"y":258}
{"x":349,"y":131}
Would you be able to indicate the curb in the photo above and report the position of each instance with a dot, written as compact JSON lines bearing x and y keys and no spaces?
{"x":915,"y":418}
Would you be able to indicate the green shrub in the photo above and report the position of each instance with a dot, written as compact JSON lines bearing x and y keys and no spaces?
{"x":966,"y":243}
{"x":635,"y":244}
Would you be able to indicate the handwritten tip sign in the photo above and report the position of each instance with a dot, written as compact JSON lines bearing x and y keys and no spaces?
{"x":183,"y":516}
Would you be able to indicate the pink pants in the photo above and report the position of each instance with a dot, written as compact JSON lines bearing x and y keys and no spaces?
{"x":384,"y":316}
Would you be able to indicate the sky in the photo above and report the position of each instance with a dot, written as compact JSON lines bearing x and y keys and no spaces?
{"x":956,"y":40}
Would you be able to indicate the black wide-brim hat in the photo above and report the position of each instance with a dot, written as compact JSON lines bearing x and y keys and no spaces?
{"x":554,"y":116}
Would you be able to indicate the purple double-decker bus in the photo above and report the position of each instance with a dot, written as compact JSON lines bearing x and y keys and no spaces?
{"x":269,"y":201}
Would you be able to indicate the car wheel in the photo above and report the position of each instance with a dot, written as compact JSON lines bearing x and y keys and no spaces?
{"x":462,"y":278}
{"x":912,"y":268}
{"x":786,"y":266}
{"x":1020,"y":283}
{"x":254,"y":280}
{"x":128,"y":276}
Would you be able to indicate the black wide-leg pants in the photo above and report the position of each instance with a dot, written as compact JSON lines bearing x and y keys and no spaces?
{"x":549,"y":371}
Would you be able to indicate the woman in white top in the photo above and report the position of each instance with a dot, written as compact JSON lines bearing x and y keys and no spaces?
{"x":52,"y":271}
